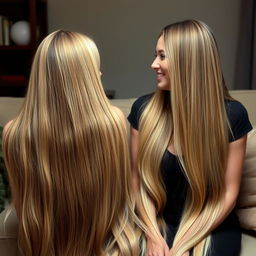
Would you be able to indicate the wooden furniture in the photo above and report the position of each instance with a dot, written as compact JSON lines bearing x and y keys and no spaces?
{"x":15,"y":60}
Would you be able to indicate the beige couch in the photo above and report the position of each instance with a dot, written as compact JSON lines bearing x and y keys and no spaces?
{"x":8,"y":219}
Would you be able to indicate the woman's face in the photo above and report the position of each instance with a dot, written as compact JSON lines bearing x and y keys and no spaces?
{"x":160,"y":66}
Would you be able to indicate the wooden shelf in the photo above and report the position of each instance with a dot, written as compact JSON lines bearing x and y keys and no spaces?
{"x":12,"y":1}
{"x":16,"y":60}
{"x":13,"y":80}
{"x":14,"y":47}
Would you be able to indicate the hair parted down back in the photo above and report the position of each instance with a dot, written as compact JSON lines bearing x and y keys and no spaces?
{"x":192,"y":117}
{"x":67,"y":157}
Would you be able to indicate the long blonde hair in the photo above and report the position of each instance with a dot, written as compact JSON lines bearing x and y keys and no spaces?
{"x":193,"y":119}
{"x":67,"y":157}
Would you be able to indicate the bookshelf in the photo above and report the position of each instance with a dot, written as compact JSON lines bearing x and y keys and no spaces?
{"x":16,"y":60}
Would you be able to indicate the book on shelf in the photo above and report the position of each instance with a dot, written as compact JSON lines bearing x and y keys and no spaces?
{"x":5,"y":25}
{"x":1,"y":30}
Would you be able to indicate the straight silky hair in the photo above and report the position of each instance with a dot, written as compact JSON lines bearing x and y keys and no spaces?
{"x":193,"y":118}
{"x":67,"y":157}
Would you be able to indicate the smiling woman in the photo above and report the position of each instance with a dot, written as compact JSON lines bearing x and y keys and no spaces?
{"x":160,"y":65}
{"x":188,"y":143}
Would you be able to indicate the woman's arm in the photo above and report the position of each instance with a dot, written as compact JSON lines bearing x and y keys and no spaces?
{"x":154,"y":248}
{"x":233,"y":176}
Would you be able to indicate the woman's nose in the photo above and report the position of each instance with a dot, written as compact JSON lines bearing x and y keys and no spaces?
{"x":155,"y":64}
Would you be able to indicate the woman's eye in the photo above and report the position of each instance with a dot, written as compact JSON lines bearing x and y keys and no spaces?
{"x":162,"y":56}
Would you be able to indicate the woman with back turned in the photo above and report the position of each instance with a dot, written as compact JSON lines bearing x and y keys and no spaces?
{"x":67,"y":157}
{"x":188,"y":143}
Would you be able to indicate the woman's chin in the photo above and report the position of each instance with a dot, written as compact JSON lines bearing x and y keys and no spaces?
{"x":163,"y":87}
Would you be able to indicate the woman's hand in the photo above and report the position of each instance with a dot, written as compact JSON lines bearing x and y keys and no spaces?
{"x":157,"y":248}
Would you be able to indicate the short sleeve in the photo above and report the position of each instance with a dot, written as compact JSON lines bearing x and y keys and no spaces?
{"x":238,"y":119}
{"x":137,"y":109}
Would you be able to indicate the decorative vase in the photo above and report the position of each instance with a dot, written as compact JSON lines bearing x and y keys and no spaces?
{"x":20,"y":32}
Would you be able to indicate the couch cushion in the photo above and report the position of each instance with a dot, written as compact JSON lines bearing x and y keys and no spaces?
{"x":247,"y":197}
{"x":9,"y":108}
{"x":248,"y":245}
{"x":8,"y":232}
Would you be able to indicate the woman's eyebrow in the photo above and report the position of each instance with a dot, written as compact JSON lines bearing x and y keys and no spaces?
{"x":160,"y":51}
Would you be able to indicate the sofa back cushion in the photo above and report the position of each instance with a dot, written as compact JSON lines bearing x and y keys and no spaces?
{"x":9,"y":108}
{"x":246,"y":204}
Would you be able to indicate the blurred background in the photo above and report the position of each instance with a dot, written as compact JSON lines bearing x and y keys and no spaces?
{"x":126,"y":31}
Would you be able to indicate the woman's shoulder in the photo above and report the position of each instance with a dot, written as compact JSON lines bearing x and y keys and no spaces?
{"x":137,"y":109}
{"x":141,"y":101}
{"x":6,"y":127}
{"x":238,"y":118}
{"x":235,"y":110}
{"x":119,"y":113}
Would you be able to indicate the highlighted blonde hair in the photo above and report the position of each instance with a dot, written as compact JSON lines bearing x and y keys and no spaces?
{"x":67,"y":157}
{"x":193,"y":119}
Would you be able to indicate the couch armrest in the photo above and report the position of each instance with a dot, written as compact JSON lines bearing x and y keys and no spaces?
{"x":248,"y":244}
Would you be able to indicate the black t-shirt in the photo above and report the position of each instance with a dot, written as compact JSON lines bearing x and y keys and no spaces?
{"x":174,"y":180}
{"x":237,"y":115}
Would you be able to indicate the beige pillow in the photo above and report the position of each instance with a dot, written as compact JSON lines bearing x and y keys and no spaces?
{"x":246,"y":204}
